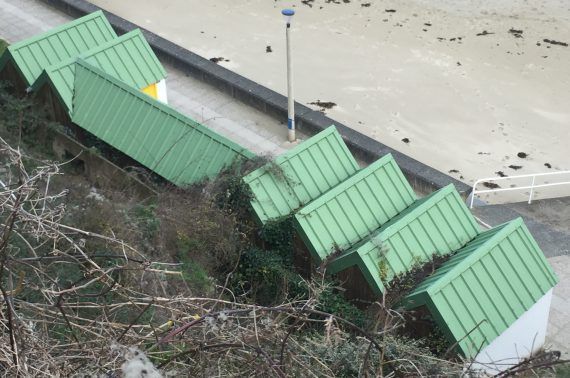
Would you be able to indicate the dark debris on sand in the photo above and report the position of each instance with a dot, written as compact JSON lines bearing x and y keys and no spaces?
{"x":553,"y":42}
{"x":219,"y":59}
{"x":490,"y":185}
{"x":517,"y":33}
{"x":323,"y":104}
{"x":484,"y":32}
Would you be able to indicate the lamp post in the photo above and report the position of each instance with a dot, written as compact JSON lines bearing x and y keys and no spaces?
{"x":289,"y":13}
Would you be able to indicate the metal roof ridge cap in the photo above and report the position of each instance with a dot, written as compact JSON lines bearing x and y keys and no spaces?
{"x":60,"y":28}
{"x":130,"y":35}
{"x":88,"y":54}
{"x":189,"y":122}
{"x":481,"y":239}
{"x":341,"y":187}
{"x":386,"y":232}
{"x":113,"y":42}
{"x":506,"y":229}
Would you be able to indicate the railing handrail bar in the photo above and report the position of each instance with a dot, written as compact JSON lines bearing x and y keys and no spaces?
{"x":522,"y":187}
{"x":531,"y":187}
{"x":522,"y":176}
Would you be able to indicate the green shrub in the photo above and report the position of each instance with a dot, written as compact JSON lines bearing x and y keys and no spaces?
{"x":266,"y":278}
{"x":333,"y":301}
{"x":193,"y":273}
{"x":21,"y":117}
{"x":279,"y":236}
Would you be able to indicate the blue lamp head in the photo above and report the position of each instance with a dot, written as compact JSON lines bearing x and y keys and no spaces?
{"x":288,"y":14}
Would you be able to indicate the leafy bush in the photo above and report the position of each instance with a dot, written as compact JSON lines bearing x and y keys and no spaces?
{"x":21,"y":117}
{"x":266,"y":278}
{"x":278,"y":236}
{"x":332,"y":301}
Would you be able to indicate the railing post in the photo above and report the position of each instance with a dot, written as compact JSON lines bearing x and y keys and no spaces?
{"x":531,"y":190}
{"x":473,"y":194}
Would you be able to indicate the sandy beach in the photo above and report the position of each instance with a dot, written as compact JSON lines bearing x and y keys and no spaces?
{"x":473,"y":88}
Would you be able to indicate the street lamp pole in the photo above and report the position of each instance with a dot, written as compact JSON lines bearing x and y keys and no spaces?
{"x":289,"y":13}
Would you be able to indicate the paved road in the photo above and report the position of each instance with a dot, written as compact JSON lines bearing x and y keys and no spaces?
{"x":20,"y":19}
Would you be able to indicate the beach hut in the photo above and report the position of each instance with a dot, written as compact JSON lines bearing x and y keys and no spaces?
{"x":23,"y":62}
{"x":300,"y":175}
{"x":436,"y":225}
{"x":354,"y":209}
{"x":492,"y":298}
{"x":155,"y":135}
{"x":128,"y":58}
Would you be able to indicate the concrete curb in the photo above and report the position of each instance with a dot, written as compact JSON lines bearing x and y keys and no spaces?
{"x":423,"y":178}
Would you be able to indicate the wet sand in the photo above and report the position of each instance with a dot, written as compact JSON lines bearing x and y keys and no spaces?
{"x":463,"y":86}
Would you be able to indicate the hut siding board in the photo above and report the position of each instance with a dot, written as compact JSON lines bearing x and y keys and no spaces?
{"x":32,"y":55}
{"x":309,"y":170}
{"x":355,"y":208}
{"x":155,"y":135}
{"x":494,"y":281}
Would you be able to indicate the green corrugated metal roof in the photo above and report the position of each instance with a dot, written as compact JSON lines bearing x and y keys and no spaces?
{"x":157,"y":136}
{"x":34,"y":54}
{"x":128,"y":57}
{"x":300,"y":175}
{"x":438,"y":224}
{"x":492,"y":281}
{"x":355,"y":208}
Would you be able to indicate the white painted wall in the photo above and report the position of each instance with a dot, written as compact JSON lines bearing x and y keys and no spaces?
{"x":161,"y":91}
{"x":523,"y":337}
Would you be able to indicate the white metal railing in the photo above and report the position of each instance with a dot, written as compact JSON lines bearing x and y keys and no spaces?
{"x":532,"y":186}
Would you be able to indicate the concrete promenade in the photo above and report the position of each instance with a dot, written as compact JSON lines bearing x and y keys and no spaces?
{"x":265,"y":135}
